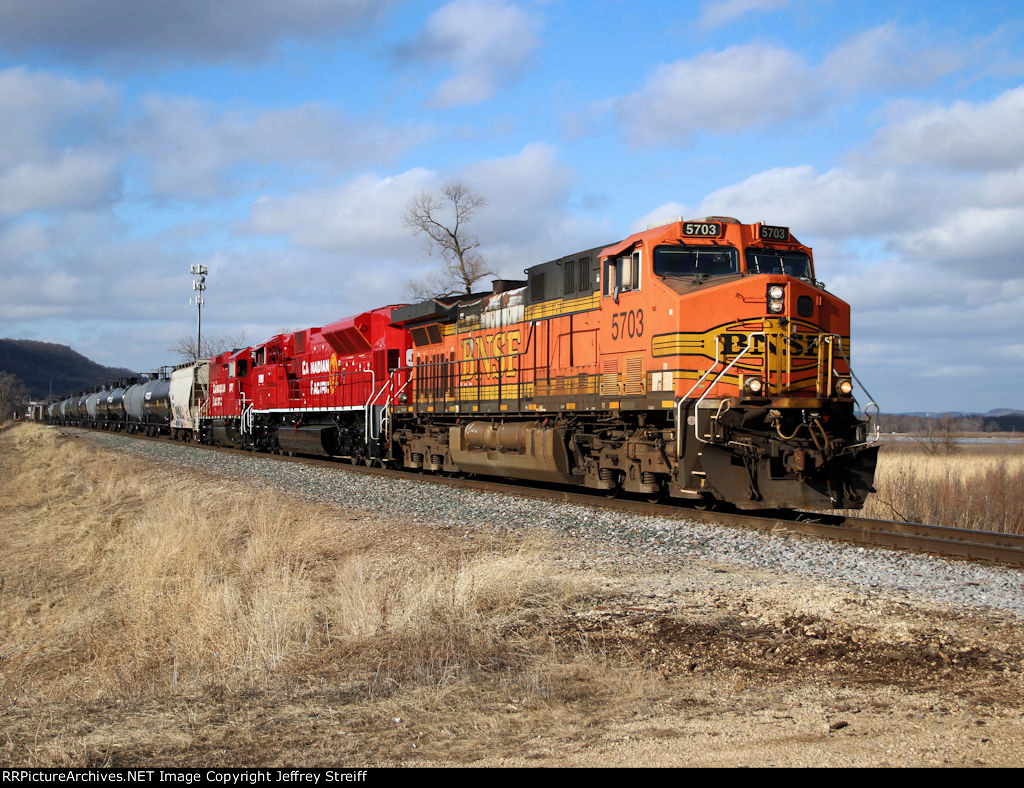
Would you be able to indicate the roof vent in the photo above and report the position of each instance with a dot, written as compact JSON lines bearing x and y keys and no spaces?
{"x":722,"y":219}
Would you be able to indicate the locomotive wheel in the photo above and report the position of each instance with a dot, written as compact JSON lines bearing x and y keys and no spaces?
{"x":657,"y":497}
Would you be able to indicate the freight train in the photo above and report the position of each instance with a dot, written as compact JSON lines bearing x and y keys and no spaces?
{"x":698,"y":360}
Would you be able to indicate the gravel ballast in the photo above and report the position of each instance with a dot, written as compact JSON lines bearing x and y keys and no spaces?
{"x":595,"y":535}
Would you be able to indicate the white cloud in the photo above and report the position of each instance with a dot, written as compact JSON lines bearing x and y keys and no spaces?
{"x":840,"y":203}
{"x":56,"y":139}
{"x":716,"y":14}
{"x":362,"y":217}
{"x":484,"y":42}
{"x":978,"y":243}
{"x":1002,"y":188}
{"x":74,"y":180}
{"x":734,"y":90}
{"x":528,"y":193}
{"x":933,"y":222}
{"x":885,"y":57}
{"x":42,"y":110}
{"x":193,"y":149}
{"x":752,"y":86}
{"x":527,"y":219}
{"x":964,"y":135}
{"x":660,"y":215}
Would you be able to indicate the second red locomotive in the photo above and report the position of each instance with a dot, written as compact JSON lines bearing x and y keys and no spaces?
{"x":322,"y":390}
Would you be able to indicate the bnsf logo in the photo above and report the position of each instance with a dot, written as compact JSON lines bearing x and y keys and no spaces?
{"x":799,"y":345}
{"x":492,"y":354}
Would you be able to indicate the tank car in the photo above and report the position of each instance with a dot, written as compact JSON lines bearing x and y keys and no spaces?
{"x":94,"y":414}
{"x":156,"y":401}
{"x":113,"y":408}
{"x":700,"y":360}
{"x":135,"y":405}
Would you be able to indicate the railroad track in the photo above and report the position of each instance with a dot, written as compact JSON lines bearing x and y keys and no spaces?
{"x":982,"y":546}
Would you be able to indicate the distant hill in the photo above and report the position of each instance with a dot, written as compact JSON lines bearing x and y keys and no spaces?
{"x":36,"y":363}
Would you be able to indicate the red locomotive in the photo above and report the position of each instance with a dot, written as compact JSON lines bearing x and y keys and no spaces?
{"x":320,"y":390}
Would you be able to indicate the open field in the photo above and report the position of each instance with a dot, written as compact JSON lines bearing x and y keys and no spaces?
{"x":209,"y":621}
{"x":124,"y":592}
{"x":965,"y":485}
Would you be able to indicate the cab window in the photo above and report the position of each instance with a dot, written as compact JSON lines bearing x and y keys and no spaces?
{"x":778,"y":261}
{"x":695,"y":260}
{"x":622,"y":273}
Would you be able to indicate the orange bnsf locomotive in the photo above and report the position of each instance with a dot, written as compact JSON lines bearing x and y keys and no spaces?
{"x":697,"y":360}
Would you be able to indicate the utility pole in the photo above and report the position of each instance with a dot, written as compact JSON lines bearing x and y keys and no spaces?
{"x":199,"y":285}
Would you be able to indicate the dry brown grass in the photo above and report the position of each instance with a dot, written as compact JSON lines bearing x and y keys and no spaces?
{"x":150,"y":619}
{"x":978,"y":486}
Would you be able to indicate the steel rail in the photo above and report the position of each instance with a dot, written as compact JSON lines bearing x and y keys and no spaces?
{"x":945,"y":541}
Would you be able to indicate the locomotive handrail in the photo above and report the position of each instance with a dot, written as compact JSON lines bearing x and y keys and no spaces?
{"x":367,"y":426}
{"x":384,"y":421}
{"x":870,"y":404}
{"x":684,"y":398}
{"x":716,"y":362}
{"x":246,"y":416}
{"x":741,"y":354}
{"x":408,"y":380}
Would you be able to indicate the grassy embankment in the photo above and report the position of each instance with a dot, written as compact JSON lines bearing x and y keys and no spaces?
{"x":964,"y":485}
{"x":154,"y":619}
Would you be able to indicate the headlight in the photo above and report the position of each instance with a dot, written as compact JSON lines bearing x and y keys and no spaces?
{"x":845,"y":387}
{"x":753,"y":386}
{"x":775,"y":292}
{"x":774,"y":306}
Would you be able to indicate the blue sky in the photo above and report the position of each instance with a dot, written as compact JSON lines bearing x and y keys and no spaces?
{"x":279,"y":142}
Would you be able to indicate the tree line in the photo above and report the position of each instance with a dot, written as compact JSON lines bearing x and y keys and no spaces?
{"x":929,"y":424}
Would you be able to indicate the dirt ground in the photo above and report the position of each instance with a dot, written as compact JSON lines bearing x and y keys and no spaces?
{"x":736,"y":669}
{"x":766,"y":671}
{"x":680,"y":663}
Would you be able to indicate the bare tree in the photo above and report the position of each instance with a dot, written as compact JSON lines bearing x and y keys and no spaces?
{"x":442,"y":220}
{"x":12,"y":394}
{"x":185,"y":348}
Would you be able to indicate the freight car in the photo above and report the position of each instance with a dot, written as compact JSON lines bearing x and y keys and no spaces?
{"x":698,"y":360}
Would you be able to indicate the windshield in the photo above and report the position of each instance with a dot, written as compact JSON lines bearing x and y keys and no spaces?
{"x":778,"y":261}
{"x":695,"y":260}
